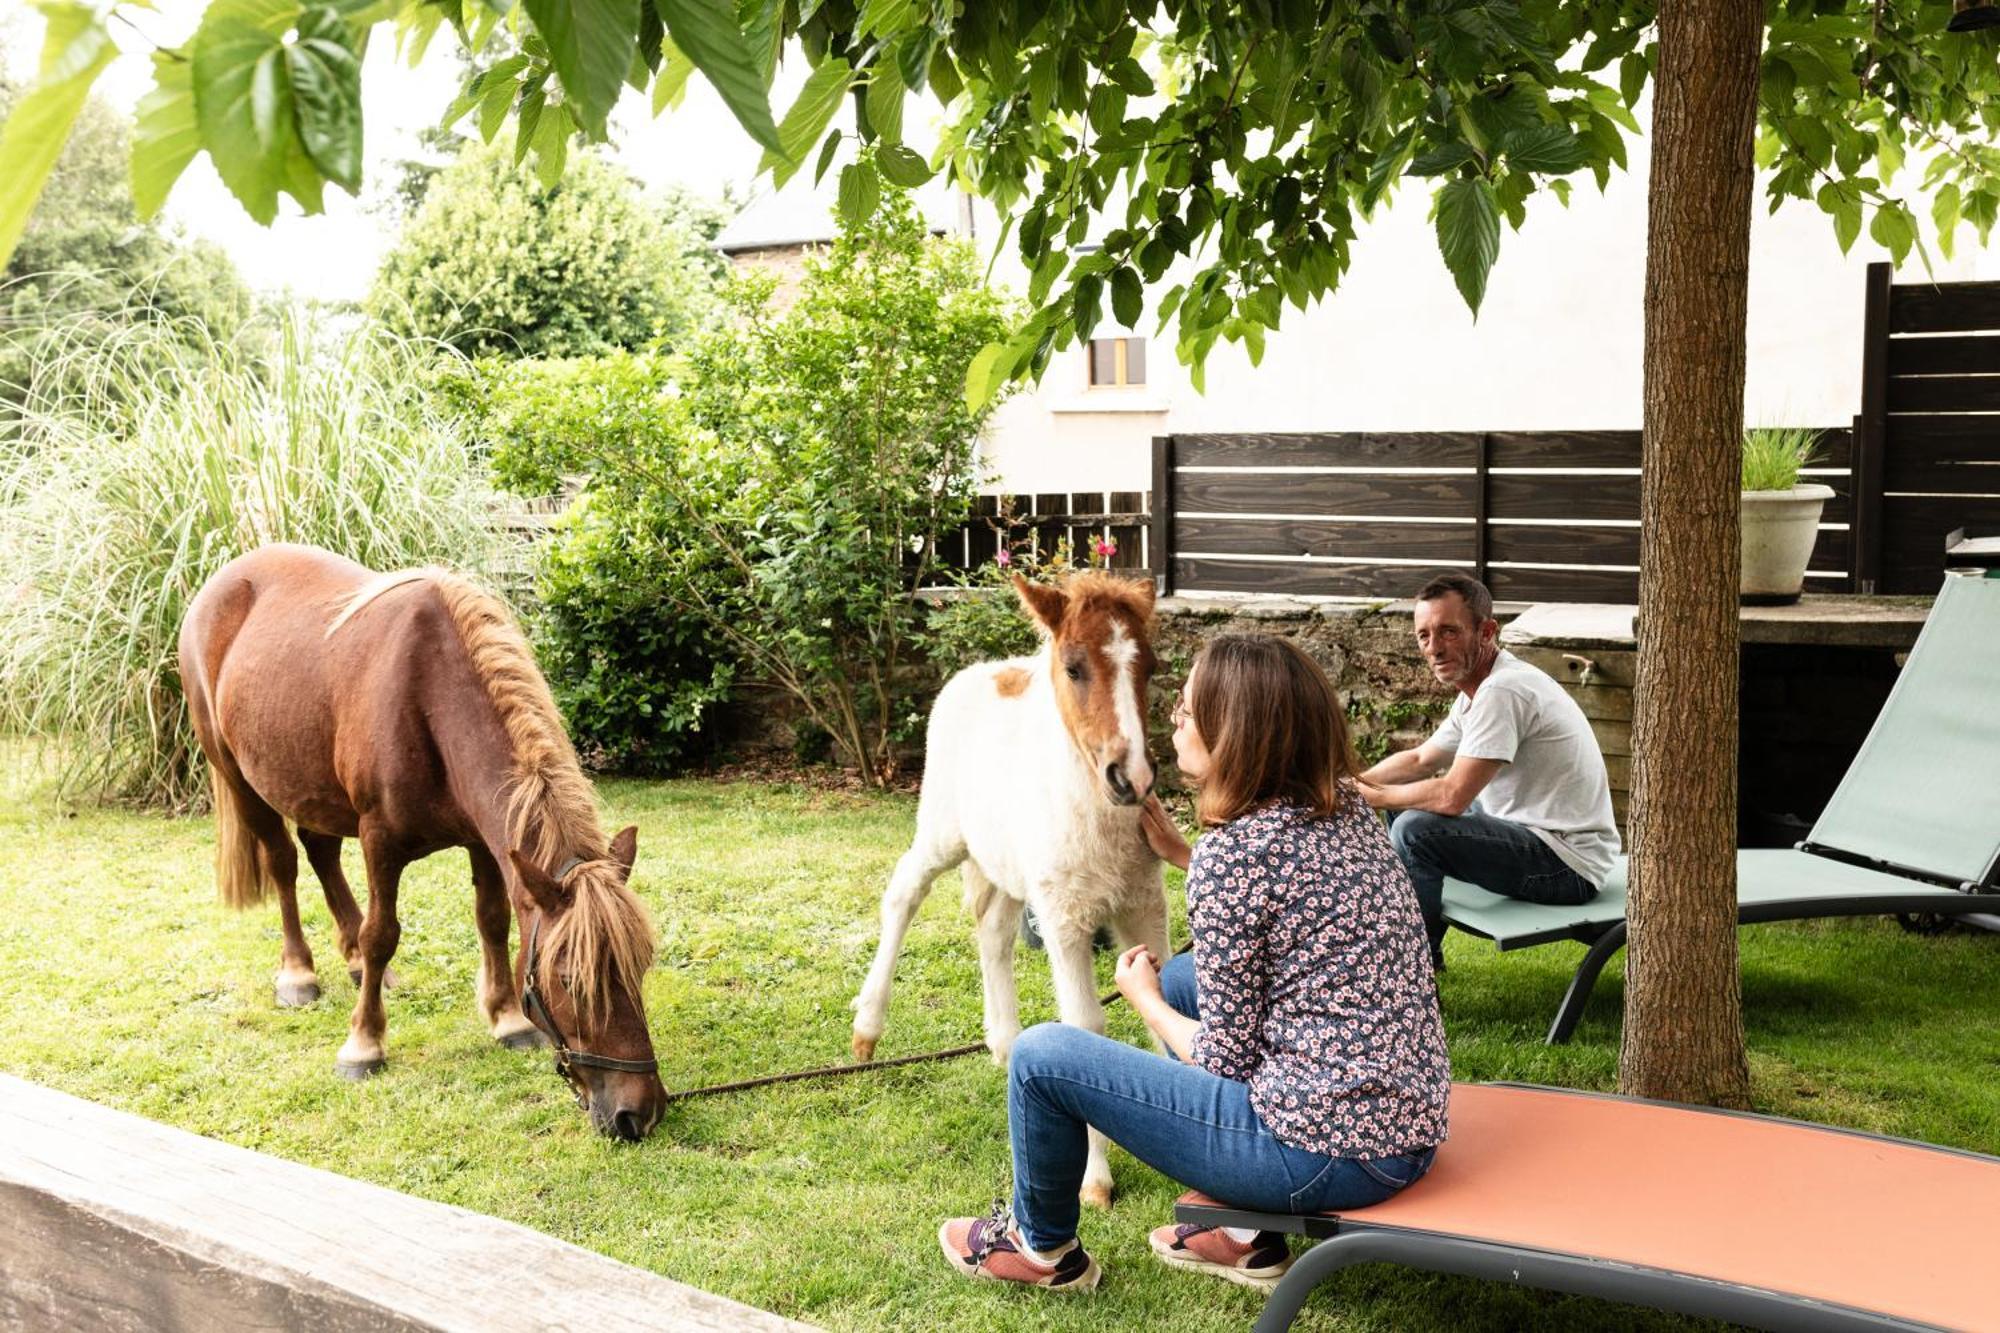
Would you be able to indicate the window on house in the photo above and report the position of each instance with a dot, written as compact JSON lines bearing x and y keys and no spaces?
{"x":1117,"y":362}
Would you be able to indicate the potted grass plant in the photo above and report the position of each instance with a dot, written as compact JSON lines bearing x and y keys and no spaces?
{"x":1780,"y":515}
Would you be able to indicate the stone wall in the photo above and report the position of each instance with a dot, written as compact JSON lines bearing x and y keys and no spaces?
{"x":1813,"y":678}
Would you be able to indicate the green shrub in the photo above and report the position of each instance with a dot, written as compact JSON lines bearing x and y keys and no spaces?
{"x":793,"y":476}
{"x":495,"y":264}
{"x":159,"y":455}
{"x":1773,"y":456}
{"x":634,"y":674}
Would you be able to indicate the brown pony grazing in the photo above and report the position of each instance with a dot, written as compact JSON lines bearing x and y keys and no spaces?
{"x":406,"y":710}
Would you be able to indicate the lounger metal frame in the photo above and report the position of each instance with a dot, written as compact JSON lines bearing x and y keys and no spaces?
{"x":1348,"y":1240}
{"x":1607,"y":938}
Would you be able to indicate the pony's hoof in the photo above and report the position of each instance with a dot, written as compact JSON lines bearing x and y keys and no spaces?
{"x":297,"y":994}
{"x":528,"y":1039}
{"x":1097,"y":1196}
{"x":864,"y":1048}
{"x":358,"y":1071}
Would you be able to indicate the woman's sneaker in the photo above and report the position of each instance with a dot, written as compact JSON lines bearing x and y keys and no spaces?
{"x":988,"y":1247}
{"x":1258,"y":1262}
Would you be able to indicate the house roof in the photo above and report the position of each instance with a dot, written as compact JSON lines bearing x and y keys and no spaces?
{"x":801,"y":214}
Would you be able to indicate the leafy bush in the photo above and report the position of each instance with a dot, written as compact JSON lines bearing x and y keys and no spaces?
{"x":793,"y":476}
{"x":634,"y":675}
{"x":494,"y":263}
{"x":162,"y":455}
{"x":1773,"y":456}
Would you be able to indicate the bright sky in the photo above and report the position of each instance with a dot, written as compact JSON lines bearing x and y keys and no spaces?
{"x":698,"y":145}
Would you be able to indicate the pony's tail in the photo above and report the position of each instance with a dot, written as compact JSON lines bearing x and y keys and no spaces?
{"x":239,"y":863}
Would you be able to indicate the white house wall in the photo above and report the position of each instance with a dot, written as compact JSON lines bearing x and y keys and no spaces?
{"x":1557,"y":344}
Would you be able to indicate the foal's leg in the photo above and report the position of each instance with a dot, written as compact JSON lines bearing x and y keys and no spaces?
{"x":323,"y":851}
{"x":1069,"y":948}
{"x":1143,"y":920}
{"x":919,"y":867}
{"x":497,"y":1001}
{"x":999,"y":917}
{"x":362,"y":1055}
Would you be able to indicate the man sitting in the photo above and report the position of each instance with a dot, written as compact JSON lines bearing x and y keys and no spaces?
{"x":1510,"y":793}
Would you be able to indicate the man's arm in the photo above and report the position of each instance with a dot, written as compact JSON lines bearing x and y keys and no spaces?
{"x":1408,"y":766}
{"x":1447,"y":794}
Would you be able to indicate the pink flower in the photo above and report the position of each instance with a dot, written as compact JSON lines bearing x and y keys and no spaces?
{"x":1003,"y":557}
{"x":1105,"y":547}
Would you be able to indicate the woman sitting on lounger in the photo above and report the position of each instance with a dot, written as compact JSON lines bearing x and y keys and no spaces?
{"x":1312,"y":1072}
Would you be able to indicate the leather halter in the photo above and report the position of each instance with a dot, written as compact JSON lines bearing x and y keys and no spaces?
{"x":568,"y":1059}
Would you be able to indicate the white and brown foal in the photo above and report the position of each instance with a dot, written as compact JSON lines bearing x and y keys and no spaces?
{"x":1034,"y":772}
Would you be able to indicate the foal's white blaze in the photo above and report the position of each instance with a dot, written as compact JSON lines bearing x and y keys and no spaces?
{"x":1123,"y":651}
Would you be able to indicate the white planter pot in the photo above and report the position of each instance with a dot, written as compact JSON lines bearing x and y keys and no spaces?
{"x":1779,"y":528}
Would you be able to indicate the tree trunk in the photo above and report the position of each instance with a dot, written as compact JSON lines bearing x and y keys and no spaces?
{"x":1683,"y":1004}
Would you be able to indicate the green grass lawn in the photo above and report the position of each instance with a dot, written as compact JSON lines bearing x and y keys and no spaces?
{"x":126,"y":983}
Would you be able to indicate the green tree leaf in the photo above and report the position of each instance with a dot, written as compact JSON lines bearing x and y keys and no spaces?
{"x":860,"y":192}
{"x":1894,"y":229}
{"x":671,"y":85}
{"x":591,"y":44}
{"x":325,"y":72}
{"x":1437,"y":160}
{"x":1128,"y":297}
{"x":826,"y":152}
{"x":1550,"y":149}
{"x":1468,"y":228}
{"x":902,"y":166}
{"x":75,"y":51}
{"x":884,"y":105}
{"x":166,"y":137}
{"x":707,"y":32}
{"x":808,"y":118}
{"x":989,"y":369}
{"x":240,"y":86}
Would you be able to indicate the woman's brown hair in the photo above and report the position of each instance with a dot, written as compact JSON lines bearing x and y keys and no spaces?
{"x":1273,"y":726}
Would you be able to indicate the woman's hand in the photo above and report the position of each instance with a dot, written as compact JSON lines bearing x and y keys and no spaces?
{"x":1161,"y":835}
{"x":1138,"y":977}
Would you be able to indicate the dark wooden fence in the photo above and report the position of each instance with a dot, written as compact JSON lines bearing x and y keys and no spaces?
{"x":1928,"y":436}
{"x":1038,"y":525}
{"x":1537,"y":515}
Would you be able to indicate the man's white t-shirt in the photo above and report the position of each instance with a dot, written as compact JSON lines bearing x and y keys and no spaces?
{"x":1552,"y":777}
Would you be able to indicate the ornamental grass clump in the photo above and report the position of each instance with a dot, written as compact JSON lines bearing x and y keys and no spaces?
{"x":1774,"y":455}
{"x":165,"y":453}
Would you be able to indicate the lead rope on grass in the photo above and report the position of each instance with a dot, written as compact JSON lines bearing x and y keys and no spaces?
{"x":1110,"y":997}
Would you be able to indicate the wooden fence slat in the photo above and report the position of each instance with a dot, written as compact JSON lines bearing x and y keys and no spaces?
{"x":1565,"y":448}
{"x":1536,"y":543}
{"x":1304,"y":579}
{"x":1954,"y":308}
{"x":1962,"y":355}
{"x":1350,"y":449}
{"x":1266,"y":536}
{"x":1514,"y":584}
{"x":1946,"y":437}
{"x":1948,"y":476}
{"x":1391,"y":496}
{"x":1913,"y":533}
{"x":1565,"y":497}
{"x":1945,"y":393}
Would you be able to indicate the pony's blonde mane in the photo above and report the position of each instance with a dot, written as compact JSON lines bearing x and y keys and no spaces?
{"x":551,"y":807}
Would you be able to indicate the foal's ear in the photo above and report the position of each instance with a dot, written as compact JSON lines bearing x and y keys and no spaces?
{"x":541,"y":886}
{"x":1044,"y":603}
{"x":625,"y":847}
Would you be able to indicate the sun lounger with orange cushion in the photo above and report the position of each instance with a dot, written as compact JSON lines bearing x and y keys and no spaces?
{"x":1772,"y":1223}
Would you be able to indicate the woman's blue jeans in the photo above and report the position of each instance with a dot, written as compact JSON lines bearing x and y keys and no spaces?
{"x":1179,"y":1119}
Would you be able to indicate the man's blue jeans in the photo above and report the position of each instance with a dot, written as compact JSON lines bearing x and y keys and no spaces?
{"x":1498,"y":855}
{"x":1179,"y":1119}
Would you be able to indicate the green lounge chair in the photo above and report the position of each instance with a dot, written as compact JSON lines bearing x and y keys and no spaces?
{"x":1913,"y":830}
{"x":1761,"y":1221}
